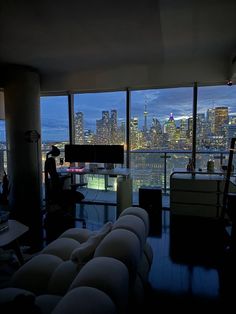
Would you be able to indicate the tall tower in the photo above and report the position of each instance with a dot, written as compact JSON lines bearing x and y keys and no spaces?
{"x":134,"y":132}
{"x":221,"y":120}
{"x":171,"y":130}
{"x":211,"y":120}
{"x":114,"y":126}
{"x":145,"y":114}
{"x":183,"y":128}
{"x":103,"y":129}
{"x":79,"y":128}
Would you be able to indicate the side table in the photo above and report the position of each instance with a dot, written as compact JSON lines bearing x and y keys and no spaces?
{"x":9,"y":237}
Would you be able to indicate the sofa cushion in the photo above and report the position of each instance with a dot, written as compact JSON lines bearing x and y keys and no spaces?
{"x":79,"y":299}
{"x":149,"y":253}
{"x":139,"y":212}
{"x":22,"y":303}
{"x":9,"y":294}
{"x":35,"y":274}
{"x":123,"y":245}
{"x":143,"y":268}
{"x":85,"y":251}
{"x":132,"y":223}
{"x":109,"y":275}
{"x":62,"y":277}
{"x":78,"y":234}
{"x":47,"y":302}
{"x":61,"y":247}
{"x":104,"y":230}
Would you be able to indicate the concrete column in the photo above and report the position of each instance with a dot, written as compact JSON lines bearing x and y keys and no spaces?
{"x":24,"y":166}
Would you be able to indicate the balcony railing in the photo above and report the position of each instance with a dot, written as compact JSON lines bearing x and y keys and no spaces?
{"x":155,"y":167}
{"x":148,"y":168}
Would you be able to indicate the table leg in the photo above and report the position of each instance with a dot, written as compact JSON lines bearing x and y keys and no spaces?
{"x":16,"y":247}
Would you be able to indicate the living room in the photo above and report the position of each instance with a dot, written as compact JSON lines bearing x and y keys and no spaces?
{"x":155,"y":77}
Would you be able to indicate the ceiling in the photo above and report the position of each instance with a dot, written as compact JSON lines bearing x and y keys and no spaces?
{"x":99,"y":45}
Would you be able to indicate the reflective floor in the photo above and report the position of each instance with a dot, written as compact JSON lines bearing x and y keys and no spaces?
{"x":190,"y":267}
{"x":109,"y":197}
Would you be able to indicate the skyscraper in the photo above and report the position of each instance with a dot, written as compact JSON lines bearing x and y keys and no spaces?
{"x":79,"y":128}
{"x":221,"y":120}
{"x":211,"y":121}
{"x":170,"y":129}
{"x":114,"y":127}
{"x":155,"y":133}
{"x":103,"y":129}
{"x":134,"y":133}
{"x":145,"y":114}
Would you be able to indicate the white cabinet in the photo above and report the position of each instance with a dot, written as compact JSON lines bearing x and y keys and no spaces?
{"x":196,"y":194}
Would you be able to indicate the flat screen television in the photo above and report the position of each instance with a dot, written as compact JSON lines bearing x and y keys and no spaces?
{"x":95,"y":153}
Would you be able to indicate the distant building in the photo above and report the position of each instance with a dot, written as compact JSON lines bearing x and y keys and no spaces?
{"x":221,"y":120}
{"x":79,"y":128}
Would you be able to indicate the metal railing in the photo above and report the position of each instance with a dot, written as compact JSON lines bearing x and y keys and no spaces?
{"x":148,"y":167}
{"x":155,"y":167}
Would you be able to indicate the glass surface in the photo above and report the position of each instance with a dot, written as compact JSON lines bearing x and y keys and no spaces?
{"x":100,"y":119}
{"x":216,"y":124}
{"x":54,"y":119}
{"x":3,"y":154}
{"x":161,"y":122}
{"x":54,"y":125}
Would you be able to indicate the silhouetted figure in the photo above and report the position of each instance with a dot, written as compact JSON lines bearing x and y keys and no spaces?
{"x":53,"y":183}
{"x":60,"y":202}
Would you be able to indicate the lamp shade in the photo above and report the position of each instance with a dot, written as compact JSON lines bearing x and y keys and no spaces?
{"x":2,"y":106}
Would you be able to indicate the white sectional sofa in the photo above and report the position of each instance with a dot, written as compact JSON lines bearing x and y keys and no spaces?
{"x":86,"y":272}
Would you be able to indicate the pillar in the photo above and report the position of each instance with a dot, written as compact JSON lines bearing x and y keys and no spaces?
{"x":24,"y":166}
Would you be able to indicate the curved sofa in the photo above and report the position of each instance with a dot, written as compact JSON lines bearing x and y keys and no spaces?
{"x":84,"y":271}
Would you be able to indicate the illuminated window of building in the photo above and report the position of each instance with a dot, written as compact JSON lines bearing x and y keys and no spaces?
{"x":216,"y":124}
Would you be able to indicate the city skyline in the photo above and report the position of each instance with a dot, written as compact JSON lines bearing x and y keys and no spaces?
{"x":160,"y":103}
{"x":214,"y":128}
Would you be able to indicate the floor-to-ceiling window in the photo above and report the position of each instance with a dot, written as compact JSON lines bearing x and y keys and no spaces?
{"x":160,"y":134}
{"x":100,"y":118}
{"x":216,"y":124}
{"x":160,"y":128}
{"x":3,"y":154}
{"x":55,"y":124}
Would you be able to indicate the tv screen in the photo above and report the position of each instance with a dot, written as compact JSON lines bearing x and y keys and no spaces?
{"x":95,"y":153}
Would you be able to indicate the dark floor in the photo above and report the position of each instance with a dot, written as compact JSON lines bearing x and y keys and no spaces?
{"x":191,"y":268}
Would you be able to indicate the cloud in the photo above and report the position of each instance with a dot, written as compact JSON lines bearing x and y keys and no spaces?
{"x":160,"y":103}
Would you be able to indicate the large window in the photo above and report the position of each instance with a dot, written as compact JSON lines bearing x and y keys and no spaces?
{"x":3,"y":155}
{"x":100,"y":118}
{"x":216,"y":124}
{"x":55,"y":123}
{"x":160,"y":129}
{"x":160,"y":126}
